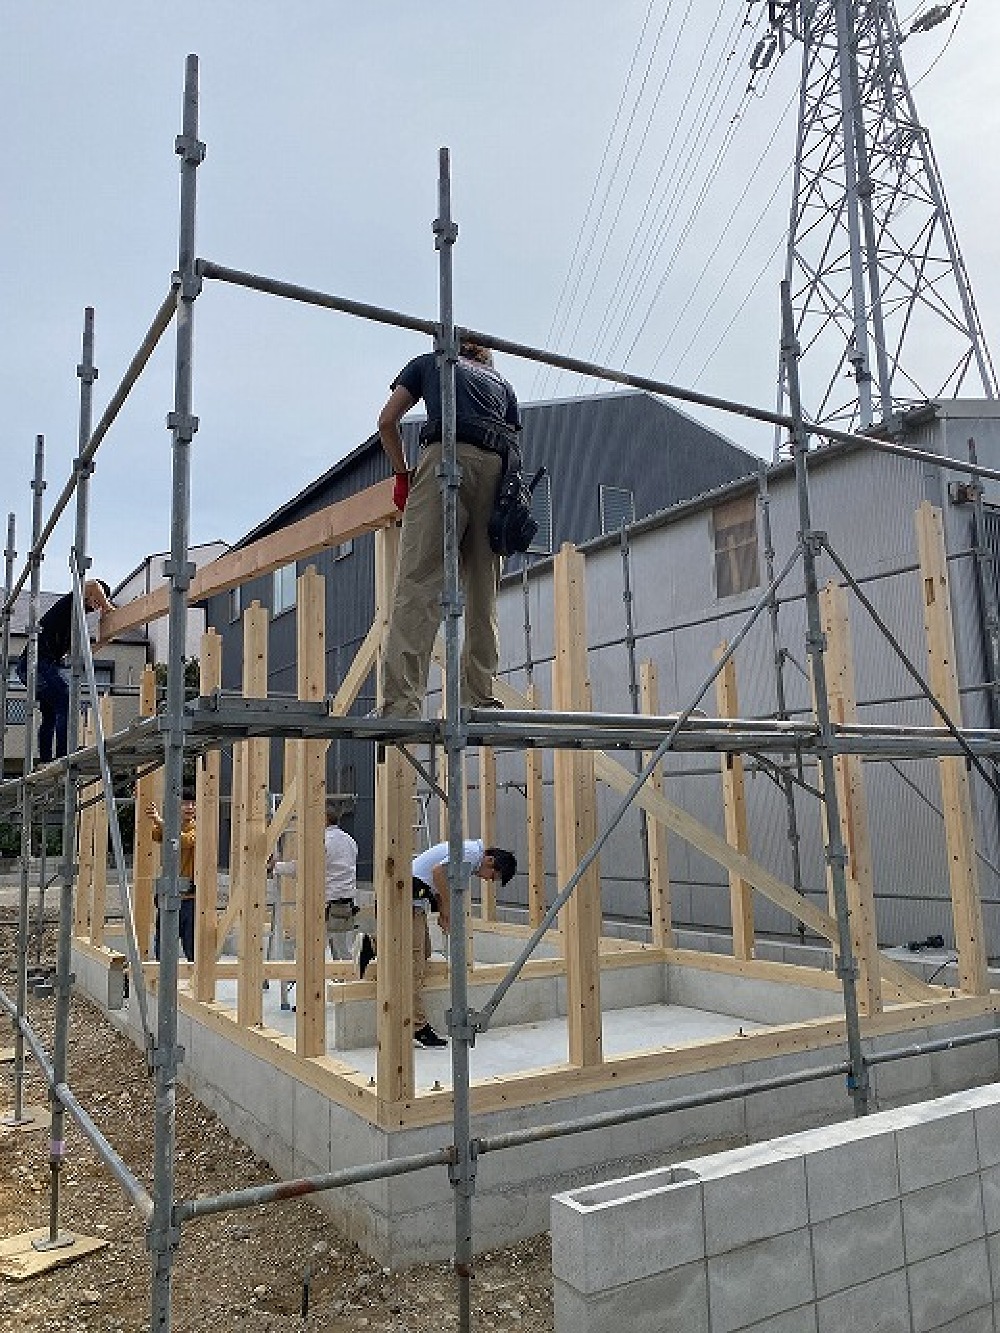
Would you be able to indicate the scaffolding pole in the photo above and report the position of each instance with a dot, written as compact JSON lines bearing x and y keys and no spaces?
{"x":164,"y":1232}
{"x":836,"y":852}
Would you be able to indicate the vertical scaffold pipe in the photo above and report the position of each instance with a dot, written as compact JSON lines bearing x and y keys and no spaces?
{"x":163,"y":1237}
{"x":10,"y":555}
{"x":27,"y":805}
{"x":87,"y":374}
{"x":836,"y":853}
{"x":463,"y":1168}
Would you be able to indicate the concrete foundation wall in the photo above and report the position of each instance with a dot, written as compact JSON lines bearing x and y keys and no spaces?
{"x":888,"y":1223}
{"x":410,"y":1219}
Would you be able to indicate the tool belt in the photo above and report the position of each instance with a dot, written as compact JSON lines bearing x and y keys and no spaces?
{"x":492,"y":436}
{"x":424,"y":892}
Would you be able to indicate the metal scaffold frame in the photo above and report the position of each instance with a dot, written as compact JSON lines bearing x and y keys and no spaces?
{"x":182,"y":728}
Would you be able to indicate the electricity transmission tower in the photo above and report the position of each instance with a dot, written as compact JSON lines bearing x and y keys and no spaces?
{"x":883,"y":306}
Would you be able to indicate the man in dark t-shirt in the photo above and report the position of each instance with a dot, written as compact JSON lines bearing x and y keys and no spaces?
{"x":55,"y":630}
{"x":488,"y":420}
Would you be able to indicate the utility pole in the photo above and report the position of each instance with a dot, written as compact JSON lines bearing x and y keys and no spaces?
{"x":883,"y":307}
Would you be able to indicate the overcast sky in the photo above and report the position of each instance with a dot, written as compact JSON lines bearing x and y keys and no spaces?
{"x":323,"y":122}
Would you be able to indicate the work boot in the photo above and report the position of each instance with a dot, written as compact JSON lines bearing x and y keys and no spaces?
{"x":428,"y":1038}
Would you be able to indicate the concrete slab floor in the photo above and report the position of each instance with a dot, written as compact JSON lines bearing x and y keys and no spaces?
{"x":513,"y":1050}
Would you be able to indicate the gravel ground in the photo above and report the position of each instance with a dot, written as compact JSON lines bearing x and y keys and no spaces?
{"x":244,"y":1271}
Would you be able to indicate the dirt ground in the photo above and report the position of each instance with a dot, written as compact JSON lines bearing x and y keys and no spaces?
{"x":244,"y":1271}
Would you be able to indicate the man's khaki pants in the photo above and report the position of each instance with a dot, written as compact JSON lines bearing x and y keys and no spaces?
{"x":416,"y":607}
{"x":421,"y":953}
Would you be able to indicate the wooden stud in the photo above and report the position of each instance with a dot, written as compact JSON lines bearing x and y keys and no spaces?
{"x":488,"y":823}
{"x":956,"y":792}
{"x":576,"y":815}
{"x":851,"y":801}
{"x":146,"y":853}
{"x":250,"y":1009}
{"x":310,"y":777}
{"x":99,"y":889}
{"x":82,"y":912}
{"x":395,"y":786}
{"x":660,"y":905}
{"x":206,"y":851}
{"x":536,"y":825}
{"x":734,"y":806}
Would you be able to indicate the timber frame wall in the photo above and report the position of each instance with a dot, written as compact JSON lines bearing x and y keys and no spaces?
{"x":890,"y":997}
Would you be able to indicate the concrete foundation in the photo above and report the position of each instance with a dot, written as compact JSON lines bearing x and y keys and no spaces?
{"x":888,"y":1223}
{"x":280,"y":1108}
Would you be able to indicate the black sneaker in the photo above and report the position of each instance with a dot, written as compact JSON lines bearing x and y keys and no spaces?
{"x":366,"y":954}
{"x":428,"y":1038}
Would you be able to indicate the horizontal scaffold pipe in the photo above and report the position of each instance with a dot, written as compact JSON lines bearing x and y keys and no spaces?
{"x":297,"y":1189}
{"x":518,"y":1138}
{"x":160,"y":324}
{"x":111,"y":1159}
{"x":309,"y":296}
{"x":589,"y":369}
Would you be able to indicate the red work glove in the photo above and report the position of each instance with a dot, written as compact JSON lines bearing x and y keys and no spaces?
{"x":401,"y":490}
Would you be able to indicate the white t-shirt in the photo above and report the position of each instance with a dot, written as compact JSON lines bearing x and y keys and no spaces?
{"x":341,"y":865}
{"x":425,"y":864}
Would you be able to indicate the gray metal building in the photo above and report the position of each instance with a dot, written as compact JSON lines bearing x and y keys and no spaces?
{"x":694,"y":573}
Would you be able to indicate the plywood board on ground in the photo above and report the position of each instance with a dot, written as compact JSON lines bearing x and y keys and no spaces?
{"x":20,"y":1260}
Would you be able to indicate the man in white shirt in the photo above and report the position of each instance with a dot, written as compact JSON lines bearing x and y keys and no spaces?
{"x":431,"y":894}
{"x":341,"y":881}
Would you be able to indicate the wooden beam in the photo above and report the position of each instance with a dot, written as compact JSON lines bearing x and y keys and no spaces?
{"x":734,"y":807}
{"x":206,"y":849}
{"x":250,"y":1008}
{"x":956,"y":793}
{"x":576,"y":814}
{"x":310,"y":779}
{"x":367,"y":511}
{"x":660,"y":904}
{"x":851,"y":801}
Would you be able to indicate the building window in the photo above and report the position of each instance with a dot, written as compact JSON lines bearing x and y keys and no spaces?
{"x":342,"y":551}
{"x":541,"y":512}
{"x":284,"y":589}
{"x":17,"y":711}
{"x":617,"y":508}
{"x":737,"y":566}
{"x":235,"y":603}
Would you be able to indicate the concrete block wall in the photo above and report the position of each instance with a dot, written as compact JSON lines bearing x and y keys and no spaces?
{"x":888,"y":1223}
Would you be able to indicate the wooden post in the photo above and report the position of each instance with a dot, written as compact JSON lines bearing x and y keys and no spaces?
{"x":250,"y":971}
{"x":146,"y":853}
{"x":660,"y":906}
{"x":536,"y":826}
{"x":576,"y":815}
{"x":488,"y":823}
{"x":206,"y":851}
{"x":310,"y":777}
{"x":99,"y":902}
{"x":395,"y":787}
{"x":735,"y":811}
{"x":851,"y":802}
{"x":956,"y":793}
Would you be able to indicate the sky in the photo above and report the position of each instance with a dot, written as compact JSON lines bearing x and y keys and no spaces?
{"x":323,"y":122}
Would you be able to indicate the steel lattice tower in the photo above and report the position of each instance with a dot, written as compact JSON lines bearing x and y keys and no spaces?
{"x":883,"y":306}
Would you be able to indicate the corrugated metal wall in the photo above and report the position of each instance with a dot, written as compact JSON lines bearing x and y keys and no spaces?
{"x":866,"y":505}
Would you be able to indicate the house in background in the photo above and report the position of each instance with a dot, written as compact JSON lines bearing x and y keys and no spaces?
{"x":148,"y":576}
{"x":118,"y":667}
{"x":610,"y":459}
